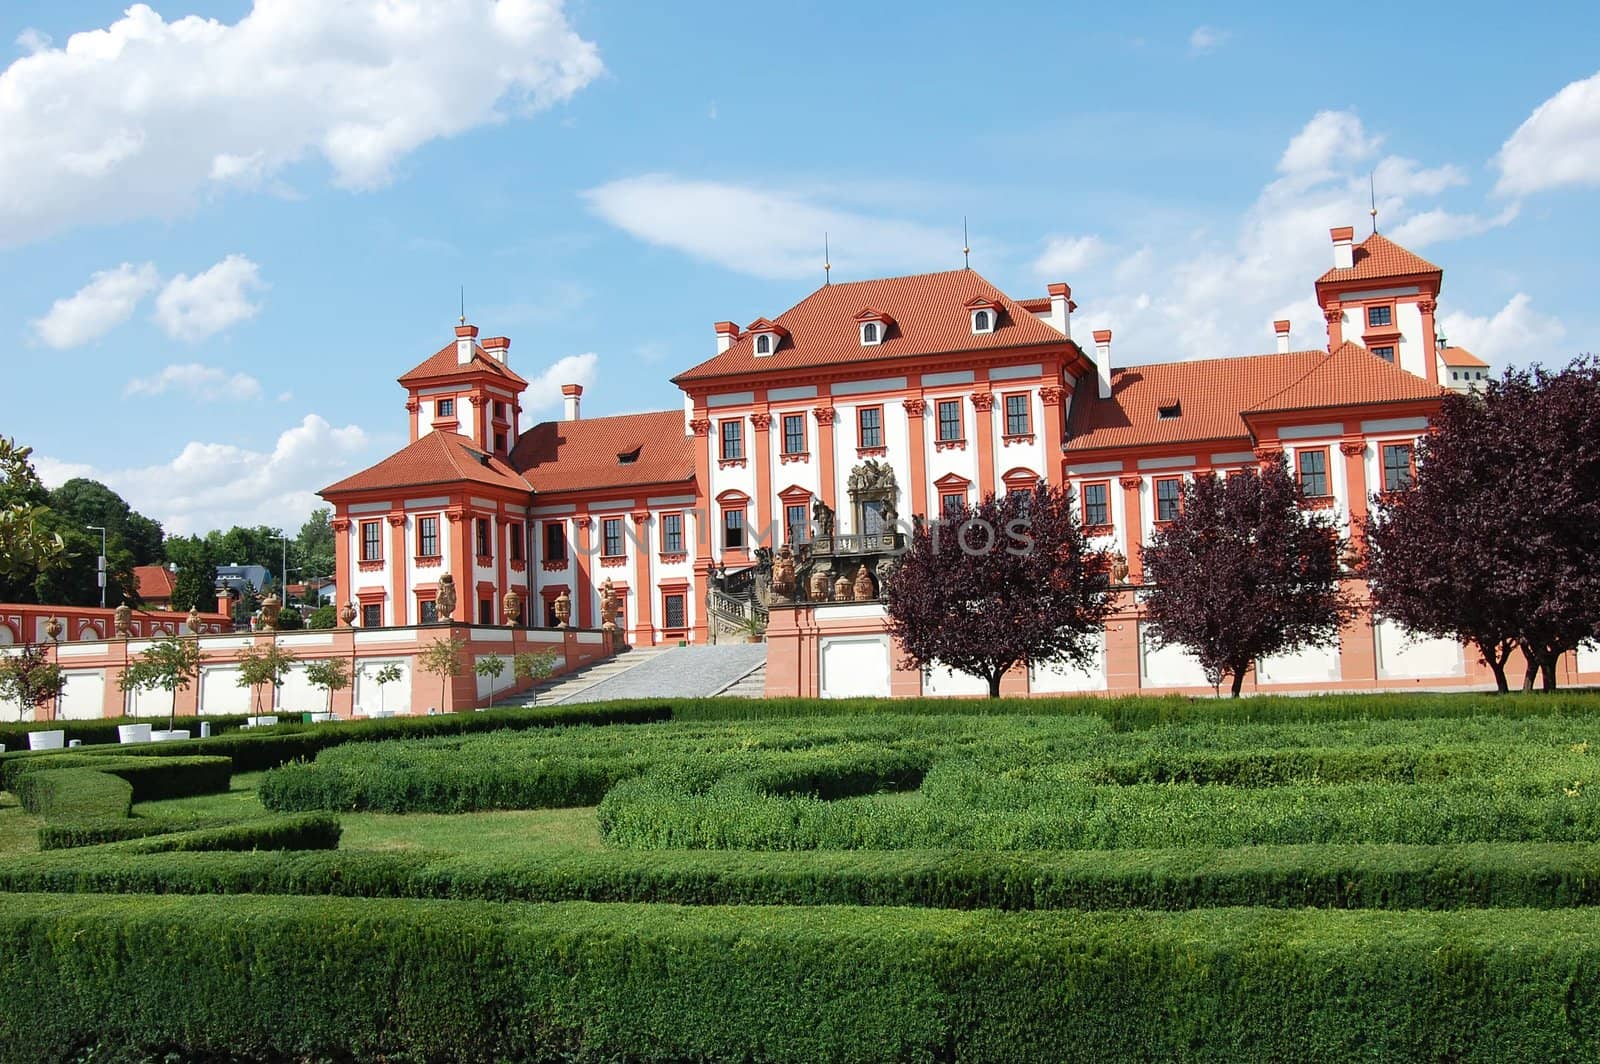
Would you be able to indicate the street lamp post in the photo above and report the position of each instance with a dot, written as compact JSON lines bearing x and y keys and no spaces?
{"x":283,"y":578}
{"x":102,"y":569}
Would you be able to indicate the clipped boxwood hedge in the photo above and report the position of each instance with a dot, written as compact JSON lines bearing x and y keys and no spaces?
{"x":74,"y":794}
{"x":1493,"y":875}
{"x":152,"y":779}
{"x":300,"y":978}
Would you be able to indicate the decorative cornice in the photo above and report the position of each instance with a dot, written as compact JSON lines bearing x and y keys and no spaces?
{"x":732,"y":463}
{"x":340,"y":525}
{"x":554,"y":567}
{"x":824,"y":414}
{"x":1332,"y":315}
{"x":983,"y":401}
{"x":484,"y":561}
{"x":396,"y":520}
{"x":1026,"y":437}
{"x":1050,"y":395}
{"x":428,"y":561}
{"x":675,"y":558}
{"x":1353,"y":448}
{"x":518,"y":565}
{"x":370,"y":567}
{"x":762,"y":422}
{"x":1131,"y":483}
{"x":915,"y":407}
{"x":455,"y":515}
{"x":1099,"y":530}
{"x":476,"y":400}
{"x":950,"y":445}
{"x":872,"y":452}
{"x":412,"y":406}
{"x":796,"y":456}
{"x":1427,"y":306}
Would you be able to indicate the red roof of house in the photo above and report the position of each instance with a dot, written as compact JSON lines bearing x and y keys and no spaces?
{"x":1461,"y":358}
{"x":1215,"y":395}
{"x":1378,"y":256}
{"x":155,"y":582}
{"x":606,"y":452}
{"x":930,"y":315}
{"x":443,"y":364}
{"x":437,"y":458}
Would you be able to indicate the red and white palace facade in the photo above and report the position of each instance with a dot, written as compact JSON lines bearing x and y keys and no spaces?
{"x":884,"y":400}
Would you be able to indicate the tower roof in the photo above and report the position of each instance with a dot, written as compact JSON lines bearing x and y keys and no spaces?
{"x":1378,"y":256}
{"x":443,"y":363}
{"x":436,"y":458}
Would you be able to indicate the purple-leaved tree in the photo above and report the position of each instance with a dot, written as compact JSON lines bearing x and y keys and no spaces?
{"x":1011,"y":581}
{"x":1244,"y":572}
{"x":1497,"y":540}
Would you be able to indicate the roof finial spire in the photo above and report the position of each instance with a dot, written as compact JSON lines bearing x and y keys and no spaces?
{"x":1372,"y":195}
{"x":463,"y":304}
{"x":827,"y":261}
{"x":966,"y":249}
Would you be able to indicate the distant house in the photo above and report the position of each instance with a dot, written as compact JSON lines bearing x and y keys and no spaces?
{"x":155,"y":584}
{"x":235,"y":577}
{"x":318,"y":591}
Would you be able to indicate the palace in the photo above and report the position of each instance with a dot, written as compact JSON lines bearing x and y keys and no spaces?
{"x":834,"y":425}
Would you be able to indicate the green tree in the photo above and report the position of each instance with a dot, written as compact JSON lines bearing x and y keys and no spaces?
{"x":493,"y":666}
{"x":443,"y":658}
{"x":323,"y":617}
{"x":262,"y":666}
{"x":533,"y":666}
{"x":312,"y":549}
{"x":171,"y":665}
{"x":83,"y":502}
{"x":290,"y":619}
{"x":330,"y":674}
{"x":30,"y":679}
{"x":195,"y":586}
{"x":29,"y":544}
{"x":385,"y":676}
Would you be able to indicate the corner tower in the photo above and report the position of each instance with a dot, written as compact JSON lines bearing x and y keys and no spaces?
{"x":1383,"y":297}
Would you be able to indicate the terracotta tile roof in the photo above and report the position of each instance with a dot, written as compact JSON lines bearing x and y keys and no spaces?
{"x":1351,"y":375}
{"x":930,"y":315}
{"x":590,"y":453}
{"x":155,"y":582}
{"x":437,"y":458}
{"x":443,"y":364}
{"x":1215,"y":395}
{"x":1461,"y":358}
{"x":1378,"y":256}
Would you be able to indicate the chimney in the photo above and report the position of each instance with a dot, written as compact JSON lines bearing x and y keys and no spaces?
{"x":1282,"y":329}
{"x":498,"y":348}
{"x":1344,"y":252}
{"x":727,"y":335}
{"x":1061,"y":308}
{"x":1102,"y":360}
{"x":573,"y":394}
{"x":465,"y":335}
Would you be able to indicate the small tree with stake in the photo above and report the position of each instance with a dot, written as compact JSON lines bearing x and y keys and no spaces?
{"x":265,"y":665}
{"x":493,"y":666}
{"x":1244,"y":572}
{"x":1009,"y":582}
{"x":532,"y":666}
{"x":442,"y":658}
{"x":385,"y":676}
{"x":30,"y":679}
{"x":171,"y":665}
{"x":331,"y":675}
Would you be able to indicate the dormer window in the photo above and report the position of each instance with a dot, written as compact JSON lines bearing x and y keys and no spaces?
{"x":765,"y":336}
{"x":869,"y":333}
{"x":982,"y":321}
{"x":985,"y":314}
{"x":629,"y":457}
{"x":873,"y":325}
{"x":1170,"y":410}
{"x":764,"y":344}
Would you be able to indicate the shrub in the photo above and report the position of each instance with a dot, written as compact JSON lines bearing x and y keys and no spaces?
{"x":152,"y":779}
{"x":305,"y":831}
{"x":301,"y":978}
{"x":74,"y":834}
{"x":74,"y":794}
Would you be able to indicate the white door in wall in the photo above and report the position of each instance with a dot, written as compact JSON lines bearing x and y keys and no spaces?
{"x":220,"y":693}
{"x":941,"y":680}
{"x":1168,"y":666}
{"x":84,"y":695}
{"x":370,"y":696}
{"x":1062,"y":677}
{"x":854,"y":666}
{"x":1402,"y":657}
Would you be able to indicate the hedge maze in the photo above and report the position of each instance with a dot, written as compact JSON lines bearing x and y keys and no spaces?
{"x":1353,"y":877}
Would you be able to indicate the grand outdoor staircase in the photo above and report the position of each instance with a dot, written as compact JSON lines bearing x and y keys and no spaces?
{"x":733,"y":669}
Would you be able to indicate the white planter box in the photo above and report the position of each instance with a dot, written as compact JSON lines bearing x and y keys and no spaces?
{"x":168,"y":736}
{"x":133,"y":733}
{"x":47,"y":740}
{"x":320,"y":718}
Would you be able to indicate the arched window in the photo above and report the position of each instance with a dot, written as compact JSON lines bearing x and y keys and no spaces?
{"x":764,"y":344}
{"x":981,"y":322}
{"x":869,"y":333}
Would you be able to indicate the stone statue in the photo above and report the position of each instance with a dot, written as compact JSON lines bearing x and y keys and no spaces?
{"x":444,"y":599}
{"x":1119,"y":568}
{"x":270,"y":606}
{"x":52,"y":629}
{"x":194,"y":623}
{"x":608,"y":605}
{"x":822,"y":517}
{"x":863,"y":586}
{"x":122,"y":618}
{"x":918,"y":525}
{"x":511,"y":608}
{"x":886,"y":568}
{"x":348,"y":614}
{"x":783,"y":579}
{"x":563,"y":608}
{"x":874,"y":477}
{"x":819,"y":586}
{"x":841,"y":589}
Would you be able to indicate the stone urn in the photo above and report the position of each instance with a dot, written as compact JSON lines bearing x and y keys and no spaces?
{"x":608,"y":605}
{"x":1119,"y":568}
{"x":193,"y":622}
{"x":511,"y":608}
{"x":122,"y":618}
{"x":841,"y":589}
{"x":52,"y":629}
{"x":563,"y":608}
{"x":444,"y":599}
{"x":819,"y":586}
{"x":348,"y":615}
{"x":783,"y":579}
{"x":863,"y":589}
{"x":270,"y":607}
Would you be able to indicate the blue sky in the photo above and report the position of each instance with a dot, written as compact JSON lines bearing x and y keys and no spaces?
{"x":223,"y":237}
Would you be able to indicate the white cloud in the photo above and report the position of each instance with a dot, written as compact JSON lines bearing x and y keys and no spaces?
{"x":107,"y":301}
{"x":1431,"y":227}
{"x":194,"y":308}
{"x":31,"y":40}
{"x":1515,"y":334}
{"x":1558,"y":145}
{"x":145,"y":116}
{"x":545,"y":389}
{"x":216,"y":485}
{"x":1330,"y":138}
{"x":1066,"y":255}
{"x":1207,"y":38}
{"x":196,"y":381}
{"x":767,"y":233}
